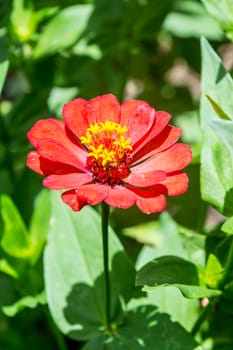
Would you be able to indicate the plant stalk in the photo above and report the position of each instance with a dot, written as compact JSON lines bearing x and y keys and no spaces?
{"x":228,"y":268}
{"x":203,"y":315}
{"x":104,"y":226}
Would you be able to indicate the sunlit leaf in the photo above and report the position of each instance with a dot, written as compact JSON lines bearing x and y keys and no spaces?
{"x":213,"y":271}
{"x":189,"y":19}
{"x":26,"y":302}
{"x":63,"y":30}
{"x":15,"y":238}
{"x":228,"y":226}
{"x":74,"y":271}
{"x":39,"y":224}
{"x":177,"y":272}
{"x":7,"y":268}
{"x":217,"y":150}
{"x":218,"y":109}
{"x":222,"y":11}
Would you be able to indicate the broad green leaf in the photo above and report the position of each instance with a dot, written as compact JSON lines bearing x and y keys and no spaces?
{"x":216,"y":158}
{"x":26,"y":302}
{"x":15,"y":239}
{"x":217,"y":165}
{"x":166,"y":237}
{"x":174,"y":271}
{"x":63,"y":30}
{"x":216,"y":82}
{"x":74,"y":271}
{"x":222,"y":11}
{"x":169,"y":300}
{"x":39,"y":224}
{"x":228,"y":226}
{"x":189,"y":19}
{"x":4,"y":60}
{"x":213,"y":271}
{"x":145,"y":329}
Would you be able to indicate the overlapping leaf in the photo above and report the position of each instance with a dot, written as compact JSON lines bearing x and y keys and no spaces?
{"x":217,"y":151}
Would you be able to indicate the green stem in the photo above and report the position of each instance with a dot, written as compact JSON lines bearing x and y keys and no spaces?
{"x":228,"y":268}
{"x":104,"y":225}
{"x":203,"y":315}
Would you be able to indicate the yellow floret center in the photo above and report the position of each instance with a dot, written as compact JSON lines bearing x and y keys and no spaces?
{"x":106,"y":142}
{"x":109,"y":152}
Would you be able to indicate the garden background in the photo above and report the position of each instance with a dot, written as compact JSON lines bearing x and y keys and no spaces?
{"x":178,"y":56}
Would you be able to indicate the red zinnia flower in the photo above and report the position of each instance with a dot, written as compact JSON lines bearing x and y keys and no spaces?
{"x":103,"y":151}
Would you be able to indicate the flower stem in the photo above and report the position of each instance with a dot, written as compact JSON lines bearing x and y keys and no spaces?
{"x":228,"y":268}
{"x":203,"y":315}
{"x":104,"y":225}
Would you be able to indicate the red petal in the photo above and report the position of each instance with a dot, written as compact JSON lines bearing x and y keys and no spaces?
{"x":174,"y":158}
{"x":161,"y":142}
{"x":56,"y":152}
{"x":73,"y":200}
{"x":140,"y":122}
{"x":106,"y":107}
{"x":33,"y":162}
{"x":47,"y":128}
{"x":78,"y":115}
{"x":129,"y":107}
{"x":120,"y":197}
{"x":46,"y":167}
{"x":145,"y":179}
{"x":152,"y":205}
{"x":149,"y":201}
{"x":161,"y":120}
{"x":62,"y":182}
{"x":176,"y":183}
{"x":93,"y":193}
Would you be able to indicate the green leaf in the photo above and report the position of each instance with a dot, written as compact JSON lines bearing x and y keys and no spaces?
{"x":167,"y":237}
{"x":4,"y":60}
{"x":15,"y":238}
{"x":39,"y":224}
{"x":145,"y":329}
{"x":5,"y":267}
{"x":218,"y":109}
{"x":164,"y":237}
{"x":63,"y":30}
{"x":228,"y":226}
{"x":217,"y":156}
{"x":74,"y":271}
{"x":213,"y":271}
{"x":217,"y":165}
{"x":189,"y":19}
{"x":222,"y":11}
{"x":26,"y":302}
{"x":22,"y":20}
{"x":215,"y":82}
{"x":174,"y":271}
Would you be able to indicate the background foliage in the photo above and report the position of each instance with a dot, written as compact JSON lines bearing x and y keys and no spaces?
{"x":52,"y":51}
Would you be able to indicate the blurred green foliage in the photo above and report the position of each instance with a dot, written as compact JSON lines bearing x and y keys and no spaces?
{"x":55,"y":50}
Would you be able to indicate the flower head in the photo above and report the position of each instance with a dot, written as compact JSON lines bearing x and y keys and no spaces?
{"x":103,"y":151}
